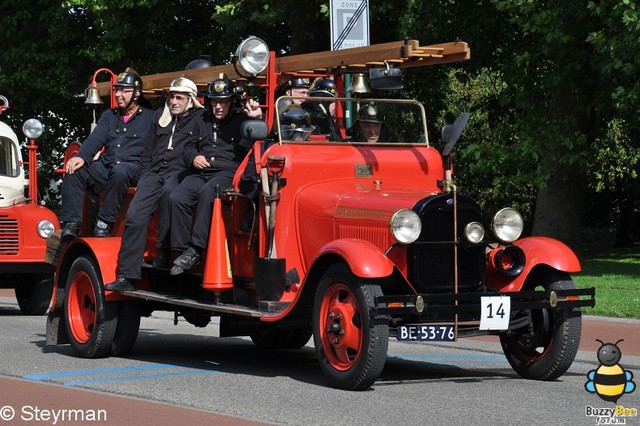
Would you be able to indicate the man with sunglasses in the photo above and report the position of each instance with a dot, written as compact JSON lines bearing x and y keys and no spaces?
{"x":121,"y":134}
{"x":212,"y":161}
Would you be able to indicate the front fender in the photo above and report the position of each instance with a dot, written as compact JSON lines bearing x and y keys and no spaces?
{"x":538,"y":251}
{"x":364,"y":259}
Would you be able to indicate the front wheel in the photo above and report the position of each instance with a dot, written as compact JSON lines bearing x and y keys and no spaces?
{"x":90,"y":322}
{"x":546,"y":348}
{"x":350,"y":344}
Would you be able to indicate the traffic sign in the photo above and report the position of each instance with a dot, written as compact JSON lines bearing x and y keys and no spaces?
{"x":349,"y":23}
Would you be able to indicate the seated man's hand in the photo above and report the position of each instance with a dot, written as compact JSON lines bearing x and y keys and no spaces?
{"x":74,"y":164}
{"x":200,"y":162}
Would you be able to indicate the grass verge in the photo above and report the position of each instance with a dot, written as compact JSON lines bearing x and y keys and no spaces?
{"x":615,"y":273}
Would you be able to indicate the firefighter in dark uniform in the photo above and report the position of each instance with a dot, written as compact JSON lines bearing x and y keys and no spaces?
{"x":123,"y":133}
{"x":213,"y":161}
{"x":322,"y":112}
{"x":177,"y":124}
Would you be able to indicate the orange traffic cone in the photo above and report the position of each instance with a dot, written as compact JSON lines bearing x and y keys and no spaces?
{"x":217,"y":271}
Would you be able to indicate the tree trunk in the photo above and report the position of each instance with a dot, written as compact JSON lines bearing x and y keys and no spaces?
{"x":559,"y":207}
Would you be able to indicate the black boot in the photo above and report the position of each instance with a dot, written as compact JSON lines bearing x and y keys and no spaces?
{"x":121,"y":284}
{"x":70,"y":231}
{"x":102,"y":229}
{"x":163,"y":259}
{"x":187,"y":260}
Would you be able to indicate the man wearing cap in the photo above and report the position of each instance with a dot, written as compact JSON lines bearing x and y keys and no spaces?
{"x":212,"y":161}
{"x":177,"y":124}
{"x":121,"y":133}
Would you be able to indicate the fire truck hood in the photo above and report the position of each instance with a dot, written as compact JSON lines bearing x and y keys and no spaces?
{"x":367,"y":201}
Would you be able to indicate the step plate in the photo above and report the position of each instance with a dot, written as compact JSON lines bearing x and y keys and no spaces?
{"x":172,"y":299}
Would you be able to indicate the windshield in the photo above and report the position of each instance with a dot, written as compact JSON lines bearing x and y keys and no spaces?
{"x":8,"y":158}
{"x":350,"y":120}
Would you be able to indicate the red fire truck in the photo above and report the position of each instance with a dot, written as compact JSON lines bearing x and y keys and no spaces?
{"x":353,"y":242}
{"x":24,"y":223}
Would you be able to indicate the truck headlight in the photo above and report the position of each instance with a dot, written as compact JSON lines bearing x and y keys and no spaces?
{"x":474,"y":232}
{"x":253,"y":55}
{"x":45,"y":228}
{"x":405,"y":226}
{"x":507,"y":225}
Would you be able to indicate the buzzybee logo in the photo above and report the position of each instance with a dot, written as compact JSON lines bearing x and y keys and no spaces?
{"x":609,"y":381}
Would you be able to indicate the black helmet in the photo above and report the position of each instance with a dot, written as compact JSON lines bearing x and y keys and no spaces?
{"x":202,"y":62}
{"x":129,"y":78}
{"x":322,"y":86}
{"x":299,"y":82}
{"x":370,"y":113}
{"x":295,"y":123}
{"x":221,"y":88}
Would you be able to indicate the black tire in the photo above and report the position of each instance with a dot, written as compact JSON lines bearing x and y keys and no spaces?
{"x":90,"y":322}
{"x":270,"y":336}
{"x":546,"y":349}
{"x":351,"y":346}
{"x":127,"y":328}
{"x":33,"y":293}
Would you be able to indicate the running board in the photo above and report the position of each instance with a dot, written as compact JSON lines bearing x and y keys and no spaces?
{"x":172,"y":299}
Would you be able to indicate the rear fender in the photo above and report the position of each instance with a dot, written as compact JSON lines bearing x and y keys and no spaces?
{"x":364,"y":259}
{"x":104,"y":251}
{"x":538,"y":251}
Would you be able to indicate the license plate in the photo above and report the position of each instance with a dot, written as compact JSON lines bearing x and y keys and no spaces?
{"x":426,"y":333}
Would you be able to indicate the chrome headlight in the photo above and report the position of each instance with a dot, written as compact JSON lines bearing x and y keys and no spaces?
{"x":45,"y":228}
{"x":253,"y":55}
{"x":507,"y":225}
{"x":32,"y":128}
{"x":474,"y":232}
{"x":405,"y":226}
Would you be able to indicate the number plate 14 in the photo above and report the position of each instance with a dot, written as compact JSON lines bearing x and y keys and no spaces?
{"x":495,"y":312}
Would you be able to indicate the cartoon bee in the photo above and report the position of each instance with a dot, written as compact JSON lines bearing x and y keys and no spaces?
{"x":609,"y":381}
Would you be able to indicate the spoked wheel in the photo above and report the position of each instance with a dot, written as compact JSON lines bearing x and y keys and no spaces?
{"x":33,"y":293}
{"x":89,"y":321}
{"x":546,"y":348}
{"x":351,"y":345}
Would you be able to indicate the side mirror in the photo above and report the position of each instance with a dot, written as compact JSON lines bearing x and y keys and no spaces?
{"x":451,"y":133}
{"x":254,"y":130}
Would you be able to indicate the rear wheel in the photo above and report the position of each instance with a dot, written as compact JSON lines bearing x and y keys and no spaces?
{"x":351,"y":345}
{"x":33,"y":293}
{"x":90,"y":322}
{"x":127,"y":328}
{"x":546,"y":348}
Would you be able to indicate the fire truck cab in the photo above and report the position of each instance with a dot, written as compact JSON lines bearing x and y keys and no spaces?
{"x":350,"y":242}
{"x":24,"y":224}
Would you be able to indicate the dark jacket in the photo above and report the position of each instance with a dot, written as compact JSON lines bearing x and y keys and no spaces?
{"x":164,"y":160}
{"x":122,"y":142}
{"x":220,"y":142}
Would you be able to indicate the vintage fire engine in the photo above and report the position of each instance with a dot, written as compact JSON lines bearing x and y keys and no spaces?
{"x":24,"y":224}
{"x":353,"y":242}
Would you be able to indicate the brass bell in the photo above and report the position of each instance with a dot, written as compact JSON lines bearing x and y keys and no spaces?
{"x":359,"y":84}
{"x":93,"y":96}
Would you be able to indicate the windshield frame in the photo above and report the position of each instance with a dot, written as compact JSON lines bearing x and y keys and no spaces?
{"x":285,"y":100}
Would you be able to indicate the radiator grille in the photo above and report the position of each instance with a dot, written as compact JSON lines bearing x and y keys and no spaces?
{"x":9,"y":235}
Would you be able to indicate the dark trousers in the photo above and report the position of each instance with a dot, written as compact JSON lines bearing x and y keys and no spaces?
{"x":152,"y":193}
{"x":197,"y":189}
{"x":96,"y":177}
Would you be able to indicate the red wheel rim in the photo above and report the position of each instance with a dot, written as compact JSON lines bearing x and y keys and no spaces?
{"x":81,"y":307}
{"x":341,"y":327}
